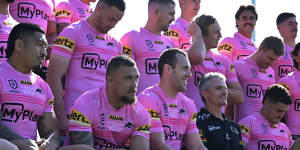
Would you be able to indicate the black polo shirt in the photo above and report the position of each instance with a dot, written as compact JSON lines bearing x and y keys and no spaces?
{"x":217,"y":134}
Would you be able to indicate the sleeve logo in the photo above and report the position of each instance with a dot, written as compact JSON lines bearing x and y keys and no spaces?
{"x":285,"y":85}
{"x":144,"y":129}
{"x":153,"y":114}
{"x":65,"y":43}
{"x":127,"y":50}
{"x":79,"y":118}
{"x":172,"y":33}
{"x":51,"y":102}
{"x":62,"y":13}
{"x":244,"y":129}
{"x":194,"y":117}
{"x":225,"y":46}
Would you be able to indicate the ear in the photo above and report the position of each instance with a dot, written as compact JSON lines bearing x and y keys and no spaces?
{"x":19,"y":45}
{"x":260,"y":49}
{"x":109,"y":80}
{"x":203,"y":93}
{"x":167,"y":69}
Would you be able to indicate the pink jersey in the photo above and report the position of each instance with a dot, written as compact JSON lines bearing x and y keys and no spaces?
{"x":254,"y":85}
{"x":89,"y":52}
{"x":71,"y":11}
{"x":23,"y":99}
{"x":292,"y":82}
{"x":178,"y":33}
{"x":284,"y":65}
{"x":258,"y":134}
{"x":33,"y":11}
{"x":213,"y":62}
{"x":237,"y":47}
{"x":145,"y":48}
{"x":173,"y":116}
{"x":111,"y":127}
{"x":6,"y":25}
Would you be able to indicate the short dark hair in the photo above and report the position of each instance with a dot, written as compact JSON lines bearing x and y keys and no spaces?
{"x":295,"y":53}
{"x":273,"y":43}
{"x":117,"y":62}
{"x":161,"y":1}
{"x":120,"y":4}
{"x":284,"y":17}
{"x":243,"y":8}
{"x":20,"y":31}
{"x":204,"y":21}
{"x":278,"y":93}
{"x":169,"y":57}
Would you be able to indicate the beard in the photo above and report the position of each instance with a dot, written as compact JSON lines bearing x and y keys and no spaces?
{"x":128,"y":100}
{"x":10,"y":1}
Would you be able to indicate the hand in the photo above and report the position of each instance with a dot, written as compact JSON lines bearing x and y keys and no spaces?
{"x":25,"y":144}
{"x":63,"y":125}
{"x":194,"y":28}
{"x":46,"y":144}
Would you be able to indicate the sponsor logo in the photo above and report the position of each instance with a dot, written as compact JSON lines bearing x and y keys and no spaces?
{"x":234,"y":130}
{"x":144,"y":129}
{"x":297,"y":105}
{"x":226,"y":47}
{"x":158,"y":42}
{"x":198,"y":77}
{"x":172,"y":135}
{"x":65,"y":43}
{"x":255,"y":91}
{"x":285,"y":85}
{"x":172,"y":33}
{"x":39,"y":91}
{"x":127,"y":50}
{"x":114,"y":117}
{"x":182,"y":111}
{"x":173,"y":105}
{"x":185,"y":45}
{"x":81,"y":11}
{"x":241,"y":56}
{"x":153,"y":114}
{"x":149,"y":44}
{"x":283,"y":70}
{"x":269,"y":145}
{"x":110,"y":44}
{"x":13,"y":112}
{"x":2,"y":49}
{"x":79,"y":118}
{"x":103,"y":143}
{"x":129,"y":125}
{"x":62,"y":13}
{"x":51,"y":102}
{"x":194,"y":117}
{"x":102,"y":119}
{"x":165,"y":109}
{"x":243,"y":44}
{"x":264,"y":127}
{"x":254,"y":72}
{"x":90,"y":38}
{"x":213,"y":128}
{"x":151,"y":65}
{"x":244,"y":129}
{"x":26,"y":82}
{"x":29,"y":10}
{"x":92,"y":61}
{"x":99,"y":38}
{"x":13,"y":83}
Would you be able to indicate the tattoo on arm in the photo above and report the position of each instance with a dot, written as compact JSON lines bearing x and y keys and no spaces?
{"x":6,"y":133}
{"x":81,"y":137}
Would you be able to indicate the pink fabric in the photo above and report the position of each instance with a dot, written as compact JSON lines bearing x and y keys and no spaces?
{"x":178,"y":33}
{"x":7,"y":23}
{"x":23,"y":99}
{"x":89,"y":52}
{"x":237,"y":47}
{"x":145,"y":48}
{"x":71,"y":11}
{"x":173,"y":116}
{"x":111,"y":127}
{"x":292,"y":82}
{"x":284,"y":65}
{"x":254,"y":84}
{"x":33,"y":11}
{"x":258,"y":134}
{"x":213,"y":62}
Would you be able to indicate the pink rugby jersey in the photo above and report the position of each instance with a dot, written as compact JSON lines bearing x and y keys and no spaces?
{"x":284,"y":65}
{"x":33,"y":11}
{"x":236,"y":47}
{"x":292,"y":82}
{"x":23,"y":99}
{"x":111,"y":127}
{"x":89,"y":52}
{"x":70,"y":11}
{"x":258,"y":134}
{"x":145,"y":48}
{"x":178,"y":33}
{"x":254,"y":84}
{"x":173,"y":116}
{"x":6,"y":25}
{"x":213,"y":62}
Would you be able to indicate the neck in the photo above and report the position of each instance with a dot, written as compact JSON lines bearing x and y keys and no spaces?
{"x":113,"y":99}
{"x":4,"y":8}
{"x":255,"y":59}
{"x":18,"y":65}
{"x":264,"y":114}
{"x":186,"y":17}
{"x":168,"y":88}
{"x":290,"y":43}
{"x":214,"y":110}
{"x":86,"y":2}
{"x":151,"y":27}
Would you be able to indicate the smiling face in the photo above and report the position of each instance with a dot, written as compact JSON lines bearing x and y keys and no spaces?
{"x":246,"y":23}
{"x":288,"y":29}
{"x":166,"y":16}
{"x":217,"y":93}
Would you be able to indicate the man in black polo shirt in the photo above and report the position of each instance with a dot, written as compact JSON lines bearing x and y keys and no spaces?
{"x":216,"y":130}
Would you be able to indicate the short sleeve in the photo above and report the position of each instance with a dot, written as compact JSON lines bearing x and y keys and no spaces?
{"x":65,"y":43}
{"x":174,"y":35}
{"x":63,"y":13}
{"x":81,"y":117}
{"x":286,"y":82}
{"x":49,"y":96}
{"x":127,"y":42}
{"x":143,"y":122}
{"x":230,"y":71}
{"x":226,"y":48}
{"x":192,"y":127}
{"x":245,"y":126}
{"x":150,"y":104}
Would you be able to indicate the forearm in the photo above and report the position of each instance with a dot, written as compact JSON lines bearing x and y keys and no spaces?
{"x":235,"y":96}
{"x":197,"y":51}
